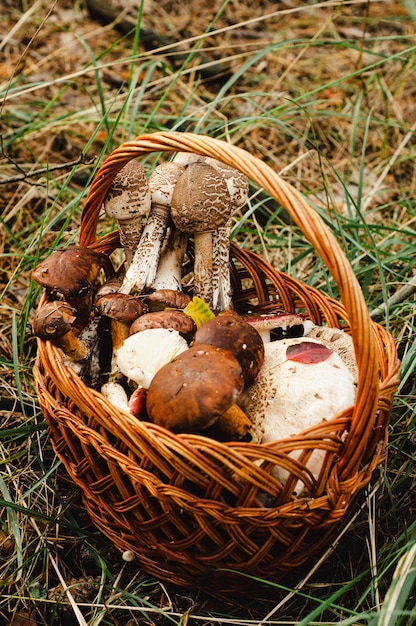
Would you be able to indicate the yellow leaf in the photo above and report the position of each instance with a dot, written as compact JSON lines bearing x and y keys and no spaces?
{"x":199,"y":311}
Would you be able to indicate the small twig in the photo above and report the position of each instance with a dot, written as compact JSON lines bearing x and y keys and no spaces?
{"x":407,"y":290}
{"x":82,"y":160}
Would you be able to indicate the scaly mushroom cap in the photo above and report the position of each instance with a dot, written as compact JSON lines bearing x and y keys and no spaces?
{"x":191,"y":392}
{"x":162,"y":182}
{"x":230,"y":332}
{"x":128,"y":196}
{"x":200,"y":200}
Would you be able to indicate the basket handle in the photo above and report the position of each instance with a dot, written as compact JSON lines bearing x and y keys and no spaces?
{"x":315,"y":231}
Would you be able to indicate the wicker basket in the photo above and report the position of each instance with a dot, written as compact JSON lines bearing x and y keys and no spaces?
{"x":188,"y":506}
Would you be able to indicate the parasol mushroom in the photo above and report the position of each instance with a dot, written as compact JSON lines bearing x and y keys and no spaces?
{"x":200,"y":204}
{"x":237,"y":185}
{"x":128,"y":202}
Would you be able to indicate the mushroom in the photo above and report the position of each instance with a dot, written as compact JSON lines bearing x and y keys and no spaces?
{"x":170,"y":319}
{"x":278,"y":325}
{"x":193,"y":390}
{"x":142,"y":270}
{"x":290,"y":396}
{"x":229,"y":331}
{"x":340,"y":342}
{"x":54,"y":322}
{"x":167,"y":298}
{"x":144,"y":353}
{"x":122,"y":310}
{"x":169,"y":270}
{"x":116,"y":394}
{"x":237,"y":185}
{"x":200,"y":204}
{"x":128,"y":202}
{"x":72,"y":273}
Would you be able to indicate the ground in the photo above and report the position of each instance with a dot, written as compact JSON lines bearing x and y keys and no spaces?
{"x":322,"y":92}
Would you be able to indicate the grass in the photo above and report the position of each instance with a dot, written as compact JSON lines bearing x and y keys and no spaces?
{"x":323,"y":92}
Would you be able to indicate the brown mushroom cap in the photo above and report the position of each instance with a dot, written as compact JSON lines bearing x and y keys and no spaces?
{"x":120,"y":307}
{"x":192,"y":391}
{"x":171,"y":298}
{"x":229,"y":331}
{"x":72,"y":271}
{"x":173,"y":320}
{"x":54,"y":322}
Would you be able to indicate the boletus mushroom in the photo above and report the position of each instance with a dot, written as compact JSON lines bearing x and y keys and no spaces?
{"x":72,"y":273}
{"x":54,"y":321}
{"x":128,"y":202}
{"x":200,"y":205}
{"x":229,"y":331}
{"x":194,"y":389}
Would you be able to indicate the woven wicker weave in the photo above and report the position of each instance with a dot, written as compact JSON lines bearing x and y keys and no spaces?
{"x":187,"y":505}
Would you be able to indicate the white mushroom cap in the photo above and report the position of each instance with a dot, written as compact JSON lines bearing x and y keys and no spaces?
{"x":290,"y":396}
{"x":144,"y":353}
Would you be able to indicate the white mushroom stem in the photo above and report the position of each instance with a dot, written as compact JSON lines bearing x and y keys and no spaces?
{"x":142,"y":270}
{"x":169,"y":270}
{"x":116,"y":394}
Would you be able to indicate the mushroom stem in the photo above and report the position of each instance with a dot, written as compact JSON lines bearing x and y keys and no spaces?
{"x":203,"y":267}
{"x":142,"y":270}
{"x":221,"y":281}
{"x":169,"y":270}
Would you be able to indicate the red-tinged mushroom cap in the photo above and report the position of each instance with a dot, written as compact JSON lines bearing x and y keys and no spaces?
{"x":278,"y":325}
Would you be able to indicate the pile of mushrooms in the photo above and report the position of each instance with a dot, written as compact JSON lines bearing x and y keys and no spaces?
{"x":173,"y":351}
